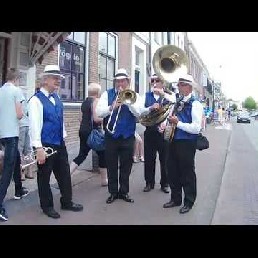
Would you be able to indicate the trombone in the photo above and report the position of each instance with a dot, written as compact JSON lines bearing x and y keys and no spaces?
{"x":32,"y":156}
{"x":126,"y":96}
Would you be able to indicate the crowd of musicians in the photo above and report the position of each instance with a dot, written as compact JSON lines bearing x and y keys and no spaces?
{"x":118,"y":119}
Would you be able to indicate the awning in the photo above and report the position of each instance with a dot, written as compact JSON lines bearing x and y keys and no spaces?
{"x":44,"y":42}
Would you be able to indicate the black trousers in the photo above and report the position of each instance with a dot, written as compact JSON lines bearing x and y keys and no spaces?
{"x":181,"y":171}
{"x":154,"y":142}
{"x":58,"y":163}
{"x":119,"y":150}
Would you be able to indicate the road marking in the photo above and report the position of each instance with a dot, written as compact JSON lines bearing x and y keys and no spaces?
{"x":226,"y":126}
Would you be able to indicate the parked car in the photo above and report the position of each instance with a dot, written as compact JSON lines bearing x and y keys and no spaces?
{"x":243,"y":117}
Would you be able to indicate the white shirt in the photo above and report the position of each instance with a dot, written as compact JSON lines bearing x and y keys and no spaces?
{"x":102,"y":108}
{"x":36,"y":119}
{"x":197,"y":114}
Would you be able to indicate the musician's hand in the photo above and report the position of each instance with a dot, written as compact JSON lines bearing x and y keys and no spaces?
{"x":155,"y":106}
{"x":41,"y":156}
{"x":162,"y":126}
{"x":173,"y":120}
{"x":116,"y":104}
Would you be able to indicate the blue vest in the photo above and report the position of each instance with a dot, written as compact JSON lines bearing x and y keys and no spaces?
{"x":52,"y":130}
{"x":126,"y":122}
{"x":150,"y":100}
{"x":185,"y":116}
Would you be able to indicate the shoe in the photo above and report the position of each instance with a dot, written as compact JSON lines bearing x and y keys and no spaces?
{"x":3,"y":215}
{"x":141,"y":159}
{"x":50,"y":212}
{"x":171,"y":204}
{"x":164,"y":189}
{"x":126,"y":198}
{"x":135,"y":160}
{"x":72,"y":207}
{"x":22,"y":193}
{"x":111,"y":198}
{"x":185,"y":209}
{"x":148,"y":187}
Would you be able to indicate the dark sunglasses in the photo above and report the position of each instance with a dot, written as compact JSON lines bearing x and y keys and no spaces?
{"x":155,"y":80}
{"x":183,"y":84}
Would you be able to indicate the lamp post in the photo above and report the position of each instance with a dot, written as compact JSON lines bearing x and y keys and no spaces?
{"x":213,"y":96}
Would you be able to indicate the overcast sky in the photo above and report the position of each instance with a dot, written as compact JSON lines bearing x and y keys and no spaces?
{"x":232,"y":58}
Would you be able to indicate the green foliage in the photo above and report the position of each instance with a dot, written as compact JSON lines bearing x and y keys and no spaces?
{"x":249,"y":103}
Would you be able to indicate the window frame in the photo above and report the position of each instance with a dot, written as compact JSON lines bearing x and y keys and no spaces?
{"x":107,"y":57}
{"x":72,"y":72}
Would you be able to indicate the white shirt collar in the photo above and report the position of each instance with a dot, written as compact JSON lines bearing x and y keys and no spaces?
{"x":44,"y":91}
{"x":186,"y":98}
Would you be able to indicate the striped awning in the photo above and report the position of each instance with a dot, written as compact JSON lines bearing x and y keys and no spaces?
{"x":44,"y":42}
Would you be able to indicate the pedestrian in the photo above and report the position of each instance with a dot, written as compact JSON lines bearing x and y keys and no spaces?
{"x":182,"y":148}
{"x":138,"y":149}
{"x":47,"y":130}
{"x":24,"y":145}
{"x":89,"y":121}
{"x":10,"y":114}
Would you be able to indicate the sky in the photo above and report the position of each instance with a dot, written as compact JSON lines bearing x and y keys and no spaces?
{"x":232,"y":58}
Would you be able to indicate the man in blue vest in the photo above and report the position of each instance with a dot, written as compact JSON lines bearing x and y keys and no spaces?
{"x":154,"y":138}
{"x":182,"y":149}
{"x":119,"y":138}
{"x":47,"y":130}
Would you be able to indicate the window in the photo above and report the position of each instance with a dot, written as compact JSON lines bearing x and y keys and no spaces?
{"x":107,"y":59}
{"x":78,"y":37}
{"x":72,"y":66}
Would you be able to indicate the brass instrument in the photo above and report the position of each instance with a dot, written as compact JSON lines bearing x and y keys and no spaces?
{"x":169,"y":62}
{"x":33,"y":156}
{"x":126,"y":96}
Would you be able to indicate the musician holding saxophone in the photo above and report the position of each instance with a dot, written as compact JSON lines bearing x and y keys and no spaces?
{"x":182,"y":148}
{"x":47,"y":130}
{"x":153,"y":136}
{"x":119,"y":107}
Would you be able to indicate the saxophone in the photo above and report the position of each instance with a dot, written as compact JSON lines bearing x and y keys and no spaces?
{"x":170,"y":128}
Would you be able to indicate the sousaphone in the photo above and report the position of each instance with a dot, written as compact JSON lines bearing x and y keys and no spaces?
{"x":169,"y":63}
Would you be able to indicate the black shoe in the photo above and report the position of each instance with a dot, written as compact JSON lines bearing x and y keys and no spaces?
{"x":22,"y":193}
{"x":50,"y":212}
{"x":111,"y":198}
{"x":185,"y":209}
{"x":147,"y":188}
{"x":72,"y":207}
{"x":164,"y":189}
{"x":171,"y":204}
{"x":126,"y":198}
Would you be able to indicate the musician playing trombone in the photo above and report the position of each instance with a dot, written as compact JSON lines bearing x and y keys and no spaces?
{"x":47,"y":130}
{"x":182,"y":148}
{"x":119,"y":124}
{"x":153,"y":136}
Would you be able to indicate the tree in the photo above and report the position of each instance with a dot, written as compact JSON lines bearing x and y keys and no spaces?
{"x":249,"y":103}
{"x":234,"y":106}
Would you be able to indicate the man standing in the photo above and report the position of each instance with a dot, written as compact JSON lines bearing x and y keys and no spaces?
{"x":119,"y":135}
{"x":10,"y":114}
{"x":47,"y":130}
{"x":154,"y":138}
{"x":182,"y":149}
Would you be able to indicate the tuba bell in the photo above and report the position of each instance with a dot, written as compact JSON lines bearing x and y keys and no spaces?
{"x":169,"y":63}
